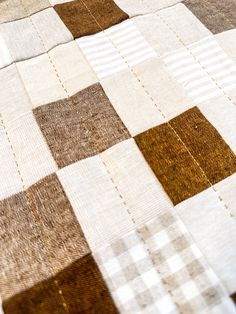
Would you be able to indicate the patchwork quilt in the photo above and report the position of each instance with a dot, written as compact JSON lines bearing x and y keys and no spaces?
{"x":118,"y":156}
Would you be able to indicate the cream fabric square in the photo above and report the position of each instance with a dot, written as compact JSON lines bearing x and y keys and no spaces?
{"x":214,"y":232}
{"x":98,"y":206}
{"x":32,"y":153}
{"x":14,"y":98}
{"x":5,"y":57}
{"x":72,"y":67}
{"x":135,"y":181}
{"x":225,"y":40}
{"x":131,"y":102}
{"x":41,"y":80}
{"x":169,"y":96}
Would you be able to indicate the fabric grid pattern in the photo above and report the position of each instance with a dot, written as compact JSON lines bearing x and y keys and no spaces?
{"x":117,"y":157}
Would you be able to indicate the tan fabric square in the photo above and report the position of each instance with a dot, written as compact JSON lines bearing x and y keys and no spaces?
{"x":39,"y":236}
{"x":217,"y":15}
{"x":86,"y":17}
{"x":79,"y":288}
{"x":82,"y":126}
{"x":187,"y":155}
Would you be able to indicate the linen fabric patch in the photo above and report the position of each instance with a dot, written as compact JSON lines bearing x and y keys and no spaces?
{"x":78,"y":127}
{"x":86,"y":17}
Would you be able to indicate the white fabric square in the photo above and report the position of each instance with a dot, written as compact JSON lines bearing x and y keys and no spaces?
{"x":5,"y":57}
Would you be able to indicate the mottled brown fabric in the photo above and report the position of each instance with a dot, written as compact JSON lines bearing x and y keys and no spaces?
{"x":217,"y":15}
{"x":172,"y":164}
{"x":188,"y":155}
{"x":86,"y":17}
{"x":80,"y":127}
{"x":205,"y":144}
{"x":233,"y":296}
{"x":39,"y":236}
{"x":82,"y":290}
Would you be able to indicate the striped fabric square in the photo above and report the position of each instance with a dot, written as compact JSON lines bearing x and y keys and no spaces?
{"x":131,"y":277}
{"x":192,"y":283}
{"x":116,"y":49}
{"x":203,"y":69}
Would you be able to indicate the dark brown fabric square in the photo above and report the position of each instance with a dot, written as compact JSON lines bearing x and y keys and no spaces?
{"x":217,"y":15}
{"x":82,"y":291}
{"x":82,"y":126}
{"x":188,"y":155}
{"x":86,"y":17}
{"x":39,"y":236}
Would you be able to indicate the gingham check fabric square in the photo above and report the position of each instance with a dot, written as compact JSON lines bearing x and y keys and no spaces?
{"x":131,"y":277}
{"x":191,"y":282}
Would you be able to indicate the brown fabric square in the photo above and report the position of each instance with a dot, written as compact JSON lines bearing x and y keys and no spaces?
{"x":80,"y":127}
{"x":205,"y":144}
{"x":77,"y":289}
{"x":171,"y":162}
{"x":39,"y":235}
{"x":233,"y":297}
{"x":188,"y":155}
{"x":86,"y":17}
{"x":217,"y":15}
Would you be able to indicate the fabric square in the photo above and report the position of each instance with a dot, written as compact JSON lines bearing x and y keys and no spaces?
{"x":135,"y":181}
{"x":67,"y":292}
{"x":218,"y":242}
{"x":82,"y":126}
{"x":225,"y":40}
{"x":203,"y":69}
{"x":116,"y":49}
{"x":5,"y":57}
{"x":15,"y":10}
{"x":215,"y":15}
{"x":184,"y":163}
{"x":34,"y":35}
{"x":189,"y":290}
{"x":97,"y":204}
{"x":39,"y":236}
{"x":86,"y":17}
{"x":139,"y":289}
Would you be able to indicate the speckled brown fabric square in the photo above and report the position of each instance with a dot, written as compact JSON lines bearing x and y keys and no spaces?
{"x":217,"y":15}
{"x":39,"y":236}
{"x":79,"y":288}
{"x":187,"y":155}
{"x":86,"y":17}
{"x":80,"y":127}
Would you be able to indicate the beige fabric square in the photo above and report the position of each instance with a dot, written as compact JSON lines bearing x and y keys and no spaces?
{"x":34,"y":35}
{"x":13,"y":9}
{"x":225,"y":40}
{"x":181,"y":20}
{"x":135,"y":181}
{"x":72,"y":67}
{"x":131,"y":102}
{"x":100,"y":210}
{"x":169,"y":96}
{"x":16,"y":101}
{"x":217,"y":242}
{"x":33,"y":156}
{"x":41,"y":81}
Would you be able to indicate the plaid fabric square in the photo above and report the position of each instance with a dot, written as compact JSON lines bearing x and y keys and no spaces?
{"x":216,"y":15}
{"x":86,"y":17}
{"x":131,"y":277}
{"x":116,"y":49}
{"x":203,"y":69}
{"x":192,"y":283}
{"x":79,"y":127}
{"x":34,"y":35}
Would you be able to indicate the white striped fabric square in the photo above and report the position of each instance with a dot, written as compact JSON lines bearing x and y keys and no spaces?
{"x":131,"y":277}
{"x":115,"y":49}
{"x":192,"y":283}
{"x":203,"y":68}
{"x":5,"y":57}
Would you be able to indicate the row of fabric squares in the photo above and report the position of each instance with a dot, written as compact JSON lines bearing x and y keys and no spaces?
{"x":44,"y":30}
{"x":158,"y":268}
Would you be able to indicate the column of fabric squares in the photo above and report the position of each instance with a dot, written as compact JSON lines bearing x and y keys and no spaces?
{"x":131,"y":277}
{"x":203,"y":69}
{"x":116,"y":49}
{"x":193,"y":285}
